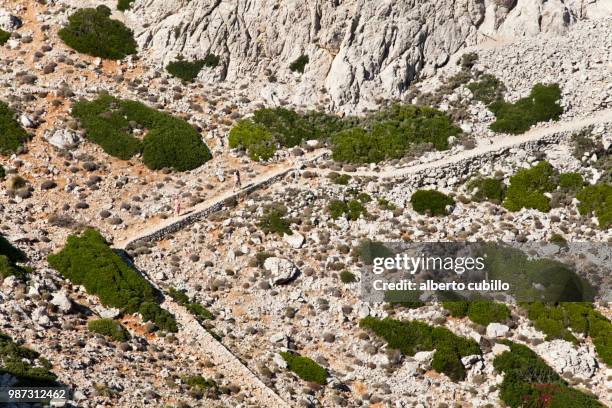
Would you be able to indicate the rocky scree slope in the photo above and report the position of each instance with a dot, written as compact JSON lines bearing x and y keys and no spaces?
{"x":358,"y":50}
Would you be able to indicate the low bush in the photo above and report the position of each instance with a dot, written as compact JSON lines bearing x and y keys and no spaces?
{"x":430,"y":202}
{"x":484,"y":313}
{"x":26,"y":365}
{"x":597,"y":200}
{"x":347,"y":277}
{"x":352,"y":209}
{"x":571,"y":181}
{"x":411,"y":337}
{"x":196,"y":309}
{"x":123,"y":5}
{"x":530,"y":382}
{"x":273,"y":221}
{"x":2,"y":172}
{"x":299,"y":64}
{"x":490,"y":189}
{"x":4,"y":36}
{"x":487,"y":89}
{"x":89,"y":261}
{"x":170,"y":142}
{"x":9,"y":255}
{"x":12,"y":253}
{"x":305,"y":368}
{"x":527,"y":188}
{"x":341,"y":179}
{"x":92,"y":31}
{"x":12,"y":135}
{"x":109,"y":328}
{"x":189,"y":70}
{"x":541,"y":105}
{"x":387,"y":134}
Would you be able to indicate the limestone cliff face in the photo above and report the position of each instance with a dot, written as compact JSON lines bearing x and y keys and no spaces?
{"x":359,"y":50}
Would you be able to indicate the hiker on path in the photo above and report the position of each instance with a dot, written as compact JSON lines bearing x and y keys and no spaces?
{"x":237,"y":184}
{"x":177,"y":206}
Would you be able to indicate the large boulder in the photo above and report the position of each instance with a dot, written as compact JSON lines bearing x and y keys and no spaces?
{"x":63,"y":139}
{"x":283,"y":271}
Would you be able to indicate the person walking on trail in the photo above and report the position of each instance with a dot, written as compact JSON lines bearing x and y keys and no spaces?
{"x":177,"y":206}
{"x":237,"y":184}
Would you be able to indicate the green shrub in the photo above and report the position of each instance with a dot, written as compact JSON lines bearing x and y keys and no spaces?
{"x":541,"y":105}
{"x":597,"y":200}
{"x":13,"y":253}
{"x":347,"y":277}
{"x":411,"y":337}
{"x":12,"y":135}
{"x":527,"y":188}
{"x":487,"y":89}
{"x":305,"y":368}
{"x":189,"y":70}
{"x":123,"y":5}
{"x":571,"y":181}
{"x":367,"y":250}
{"x":92,"y":31}
{"x":385,"y":204}
{"x":8,"y":268}
{"x":490,"y":189}
{"x":299,"y":64}
{"x":390,"y":133}
{"x":196,"y":309}
{"x":88,"y":260}
{"x":254,"y":138}
{"x":4,"y":36}
{"x":430,"y":202}
{"x":110,"y":328}
{"x":558,"y":239}
{"x":170,"y":141}
{"x":352,"y":209}
{"x":341,"y":179}
{"x":273,"y":221}
{"x":2,"y":172}
{"x":457,"y":308}
{"x":483,"y":312}
{"x":199,"y":382}
{"x":26,"y":365}
{"x":529,"y":381}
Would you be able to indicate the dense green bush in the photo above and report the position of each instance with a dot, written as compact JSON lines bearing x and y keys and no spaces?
{"x":484,"y":313}
{"x":411,"y":337}
{"x":110,"y":328}
{"x":527,"y":188}
{"x":430,"y":202}
{"x":597,"y":200}
{"x":189,"y":70}
{"x":299,"y":64}
{"x":273,"y":221}
{"x":170,"y":141}
{"x":92,"y":31}
{"x":9,"y":255}
{"x":541,"y":105}
{"x":581,"y":318}
{"x":487,"y":89}
{"x":305,"y":368}
{"x":199,"y":383}
{"x":13,"y":253}
{"x":12,"y":135}
{"x":571,"y":181}
{"x":352,"y":209}
{"x":123,"y":5}
{"x":490,"y":189}
{"x":4,"y":36}
{"x":26,"y":365}
{"x":196,"y":309}
{"x":88,"y":260}
{"x":390,"y":133}
{"x":530,"y":382}
{"x":347,"y":277}
{"x":383,"y":135}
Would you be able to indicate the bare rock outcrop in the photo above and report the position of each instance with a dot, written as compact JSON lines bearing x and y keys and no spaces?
{"x":358,"y":50}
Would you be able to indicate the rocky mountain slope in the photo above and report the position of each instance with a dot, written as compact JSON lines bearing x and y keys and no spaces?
{"x":358,"y":50}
